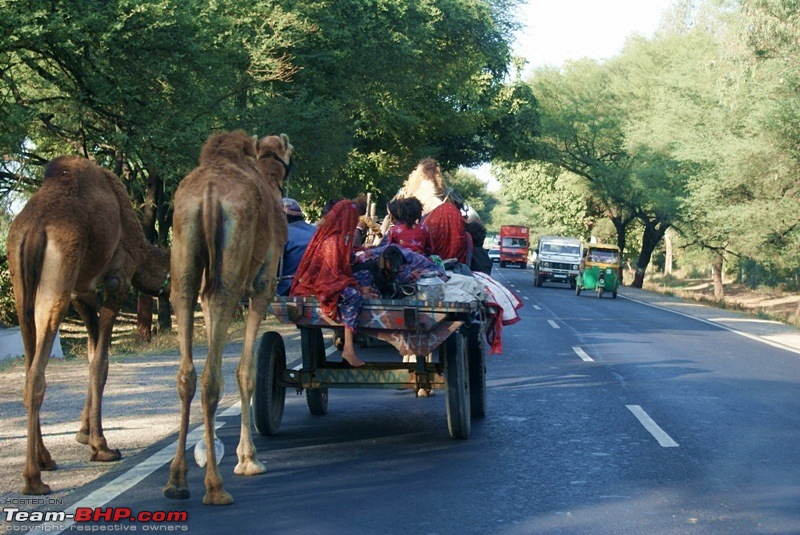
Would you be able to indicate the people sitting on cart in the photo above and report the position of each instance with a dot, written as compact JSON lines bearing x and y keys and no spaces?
{"x":300,"y":234}
{"x":326,"y":273}
{"x":448,"y":229}
{"x":480,"y":260}
{"x":407,"y":230}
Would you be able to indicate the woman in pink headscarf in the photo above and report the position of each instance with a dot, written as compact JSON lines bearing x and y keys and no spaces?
{"x":325,"y":272}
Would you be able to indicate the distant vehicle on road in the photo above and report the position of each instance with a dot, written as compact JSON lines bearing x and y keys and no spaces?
{"x":557,"y":259}
{"x":494,"y":254}
{"x":514,"y":244}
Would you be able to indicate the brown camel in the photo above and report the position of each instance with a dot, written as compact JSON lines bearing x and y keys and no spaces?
{"x":229,"y":232}
{"x":78,"y":232}
{"x":426,"y":183}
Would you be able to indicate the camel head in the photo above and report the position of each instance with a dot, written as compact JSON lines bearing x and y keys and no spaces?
{"x":152,"y":277}
{"x":275,"y":158}
{"x":426,"y":179}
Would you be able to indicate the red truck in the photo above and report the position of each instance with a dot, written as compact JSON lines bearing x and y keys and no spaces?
{"x":514,"y":243}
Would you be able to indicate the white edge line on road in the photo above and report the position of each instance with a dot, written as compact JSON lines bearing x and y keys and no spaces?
{"x":139,"y":472}
{"x":662,"y":437}
{"x":536,"y":307}
{"x":720,"y":325}
{"x":582,"y":354}
{"x":553,"y":324}
{"x":133,"y":476}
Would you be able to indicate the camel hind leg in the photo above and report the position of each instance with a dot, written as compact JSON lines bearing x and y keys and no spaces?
{"x":38,"y":340}
{"x":185,"y":287}
{"x":218,"y":310}
{"x":246,"y":374}
{"x":85,"y":306}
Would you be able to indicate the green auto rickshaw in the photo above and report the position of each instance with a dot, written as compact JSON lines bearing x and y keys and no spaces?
{"x":599,"y":269}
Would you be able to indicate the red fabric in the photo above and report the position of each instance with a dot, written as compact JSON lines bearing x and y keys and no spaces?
{"x":416,"y":239}
{"x":448,"y":232}
{"x":325,"y":269}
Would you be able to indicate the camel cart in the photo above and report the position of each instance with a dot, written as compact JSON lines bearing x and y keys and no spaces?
{"x":453,"y":331}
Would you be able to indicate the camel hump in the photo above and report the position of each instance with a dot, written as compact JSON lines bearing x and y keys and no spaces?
{"x":64,"y":167}
{"x":237,"y":147}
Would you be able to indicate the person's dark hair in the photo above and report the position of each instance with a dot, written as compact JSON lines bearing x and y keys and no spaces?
{"x":329,"y":205}
{"x":409,"y":211}
{"x":294,"y":218}
{"x":392,"y":209}
{"x":478,"y":233}
{"x":361,"y":202}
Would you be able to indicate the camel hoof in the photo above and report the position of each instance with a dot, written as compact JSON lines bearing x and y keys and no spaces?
{"x":35,"y":489}
{"x":217,"y":497}
{"x":250,"y":468}
{"x":49,"y":465}
{"x":106,"y":456}
{"x":82,"y":437}
{"x":176,"y":493}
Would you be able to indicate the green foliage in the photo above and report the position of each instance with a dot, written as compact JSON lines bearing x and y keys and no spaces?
{"x":384,"y":83}
{"x":562,"y":200}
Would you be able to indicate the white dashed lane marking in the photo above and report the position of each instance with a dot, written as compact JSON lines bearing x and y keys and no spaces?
{"x":582,"y":354}
{"x":660,"y":435}
{"x":553,"y":324}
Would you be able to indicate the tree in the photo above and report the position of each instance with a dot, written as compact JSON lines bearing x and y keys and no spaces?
{"x":384,"y":83}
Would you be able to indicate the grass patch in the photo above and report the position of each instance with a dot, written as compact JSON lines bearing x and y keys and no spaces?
{"x":125,"y":339}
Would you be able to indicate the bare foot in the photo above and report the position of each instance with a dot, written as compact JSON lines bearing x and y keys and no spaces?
{"x":350,"y":356}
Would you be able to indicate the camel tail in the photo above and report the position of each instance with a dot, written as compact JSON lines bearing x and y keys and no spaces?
{"x":31,"y":260}
{"x":214,"y":234}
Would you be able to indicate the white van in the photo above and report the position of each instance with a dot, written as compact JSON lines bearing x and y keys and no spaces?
{"x":557,"y":260}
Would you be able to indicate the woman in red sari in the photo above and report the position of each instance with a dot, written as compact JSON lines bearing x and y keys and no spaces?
{"x":448,"y":232}
{"x":325,"y":272}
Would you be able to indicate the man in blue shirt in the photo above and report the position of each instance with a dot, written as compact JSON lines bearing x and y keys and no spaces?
{"x":300,"y":234}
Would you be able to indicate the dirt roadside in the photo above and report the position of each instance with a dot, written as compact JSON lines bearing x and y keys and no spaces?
{"x":140,"y":407}
{"x":764,"y":303}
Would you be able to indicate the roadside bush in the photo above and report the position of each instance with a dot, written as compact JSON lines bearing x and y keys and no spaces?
{"x":8,"y":312}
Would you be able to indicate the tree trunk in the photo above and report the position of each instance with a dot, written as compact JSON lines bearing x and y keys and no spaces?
{"x":668,"y":252}
{"x":716,"y":274}
{"x":164,"y":316}
{"x":653,"y":233}
{"x":144,"y":308}
{"x":621,"y":226}
{"x":164,"y":220}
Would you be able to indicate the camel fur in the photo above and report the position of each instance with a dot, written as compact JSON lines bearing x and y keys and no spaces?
{"x":229,"y":230}
{"x":426,"y":183}
{"x":77,"y":233}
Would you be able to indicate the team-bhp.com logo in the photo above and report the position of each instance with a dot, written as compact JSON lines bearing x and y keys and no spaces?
{"x":86,"y":519}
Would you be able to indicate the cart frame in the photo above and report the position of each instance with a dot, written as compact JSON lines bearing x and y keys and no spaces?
{"x":456,"y":330}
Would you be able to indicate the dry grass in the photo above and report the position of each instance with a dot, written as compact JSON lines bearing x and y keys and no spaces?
{"x":767,"y":303}
{"x":125,"y":340}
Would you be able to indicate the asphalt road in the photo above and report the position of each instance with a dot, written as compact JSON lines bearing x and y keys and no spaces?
{"x":624,"y":415}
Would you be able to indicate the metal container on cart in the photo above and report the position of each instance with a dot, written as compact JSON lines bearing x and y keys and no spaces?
{"x":454,"y":331}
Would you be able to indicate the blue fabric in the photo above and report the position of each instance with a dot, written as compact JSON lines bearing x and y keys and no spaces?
{"x":300,"y":233}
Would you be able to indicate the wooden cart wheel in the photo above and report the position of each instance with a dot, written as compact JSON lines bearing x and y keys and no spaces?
{"x":269,"y":398}
{"x":476,"y":363}
{"x":313,"y":347}
{"x":457,"y":402}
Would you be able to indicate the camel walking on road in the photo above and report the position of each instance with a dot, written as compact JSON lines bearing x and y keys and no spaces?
{"x":228,"y":237}
{"x":77,"y":233}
